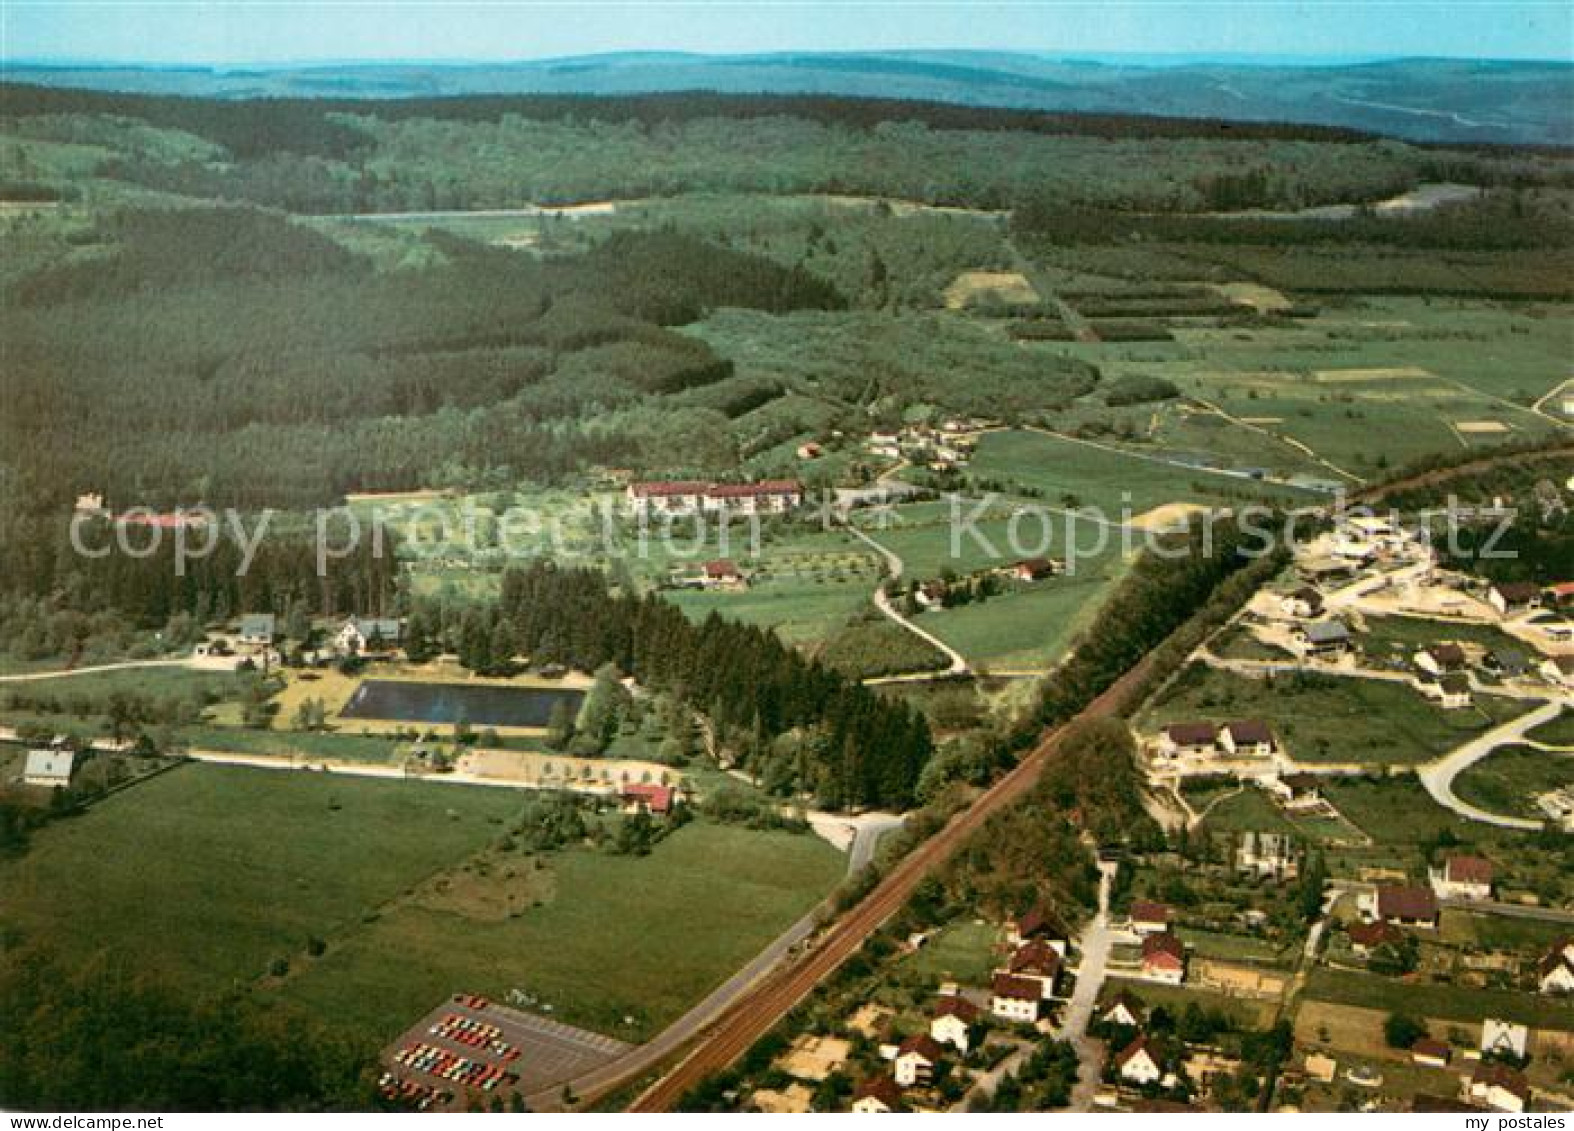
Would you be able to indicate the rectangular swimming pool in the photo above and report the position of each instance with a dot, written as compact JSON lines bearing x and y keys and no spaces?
{"x":400,"y":701}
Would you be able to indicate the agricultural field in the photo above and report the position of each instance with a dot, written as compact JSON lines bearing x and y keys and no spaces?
{"x":1329,"y":719}
{"x":1121,"y":484}
{"x":603,"y":939}
{"x":169,"y":875}
{"x":1443,"y":1001}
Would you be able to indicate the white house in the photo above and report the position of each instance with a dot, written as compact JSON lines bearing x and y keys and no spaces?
{"x":953,"y":1022}
{"x":916,"y":1059}
{"x":1247,"y":738}
{"x":1499,"y":1087}
{"x":1164,"y":959}
{"x":1037,"y":961}
{"x":1269,"y":855}
{"x":355,"y":633}
{"x":257,"y":630}
{"x":1124,"y":1009}
{"x":1138,"y":1064}
{"x":49,"y":768}
{"x":1179,"y":740}
{"x":1514,"y":596}
{"x":1555,"y":972}
{"x":1302,"y":604}
{"x":1015,"y":999}
{"x":1504,"y":1038}
{"x":877,"y":1096}
{"x":1149,"y":918}
{"x":1463,"y":877}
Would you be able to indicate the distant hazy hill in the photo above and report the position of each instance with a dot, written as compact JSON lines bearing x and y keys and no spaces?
{"x":1419,"y":99}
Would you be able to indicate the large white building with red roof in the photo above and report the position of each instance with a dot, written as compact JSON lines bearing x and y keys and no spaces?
{"x":683,"y":497}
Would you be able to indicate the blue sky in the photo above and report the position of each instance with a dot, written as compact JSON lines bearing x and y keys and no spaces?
{"x":231,"y":32}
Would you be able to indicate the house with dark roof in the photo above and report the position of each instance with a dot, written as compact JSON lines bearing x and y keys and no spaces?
{"x":1035,"y":569}
{"x":1367,"y":937}
{"x":1124,"y":1009}
{"x":1039,"y":923}
{"x":1039,"y":961}
{"x":1555,"y":971}
{"x":1436,"y":659}
{"x":1498,"y":1086}
{"x":1248,"y":738}
{"x":1431,"y":1053}
{"x":877,"y":1095}
{"x":1326,"y":638}
{"x":953,"y":1022}
{"x":1402,"y":906}
{"x":1514,"y":596}
{"x":1149,"y":918}
{"x":1138,"y":1063}
{"x":1303,"y":603}
{"x":916,"y":1059}
{"x":1179,"y":740}
{"x":1015,"y":999}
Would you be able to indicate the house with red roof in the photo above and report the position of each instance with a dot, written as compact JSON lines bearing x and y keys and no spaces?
{"x":953,"y":1022}
{"x":1463,"y":877}
{"x":878,"y":1095}
{"x":916,"y":1059}
{"x":1555,"y":971}
{"x":1039,"y":923}
{"x":645,"y":797}
{"x":1402,"y":906}
{"x":1164,"y":958}
{"x":1138,"y":1063}
{"x":1039,"y":961}
{"x":1499,"y":1087}
{"x":1149,"y":918}
{"x":1015,"y":999}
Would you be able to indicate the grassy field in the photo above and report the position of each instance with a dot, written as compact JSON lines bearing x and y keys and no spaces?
{"x":613,"y":938}
{"x":962,"y":951}
{"x":1246,"y":1011}
{"x":155,"y":683}
{"x":1029,"y":627}
{"x":1401,"y":637}
{"x":1327,"y":719}
{"x":1559,"y":732}
{"x":1507,"y":780}
{"x":206,"y":875}
{"x":1111,"y":480}
{"x":1447,"y":1002}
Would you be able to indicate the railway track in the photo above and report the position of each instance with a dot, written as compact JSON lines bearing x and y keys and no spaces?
{"x":758,"y":1010}
{"x":755,"y":1013}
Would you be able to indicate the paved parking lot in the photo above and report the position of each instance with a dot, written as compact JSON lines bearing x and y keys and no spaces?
{"x":468,"y":1045}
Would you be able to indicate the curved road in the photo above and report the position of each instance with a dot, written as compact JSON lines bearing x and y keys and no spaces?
{"x":1438,"y":776}
{"x":895,"y":565}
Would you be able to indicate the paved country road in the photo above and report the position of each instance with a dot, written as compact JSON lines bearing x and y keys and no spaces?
{"x":894,"y":566}
{"x":1439,"y":776}
{"x":124,"y":665}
